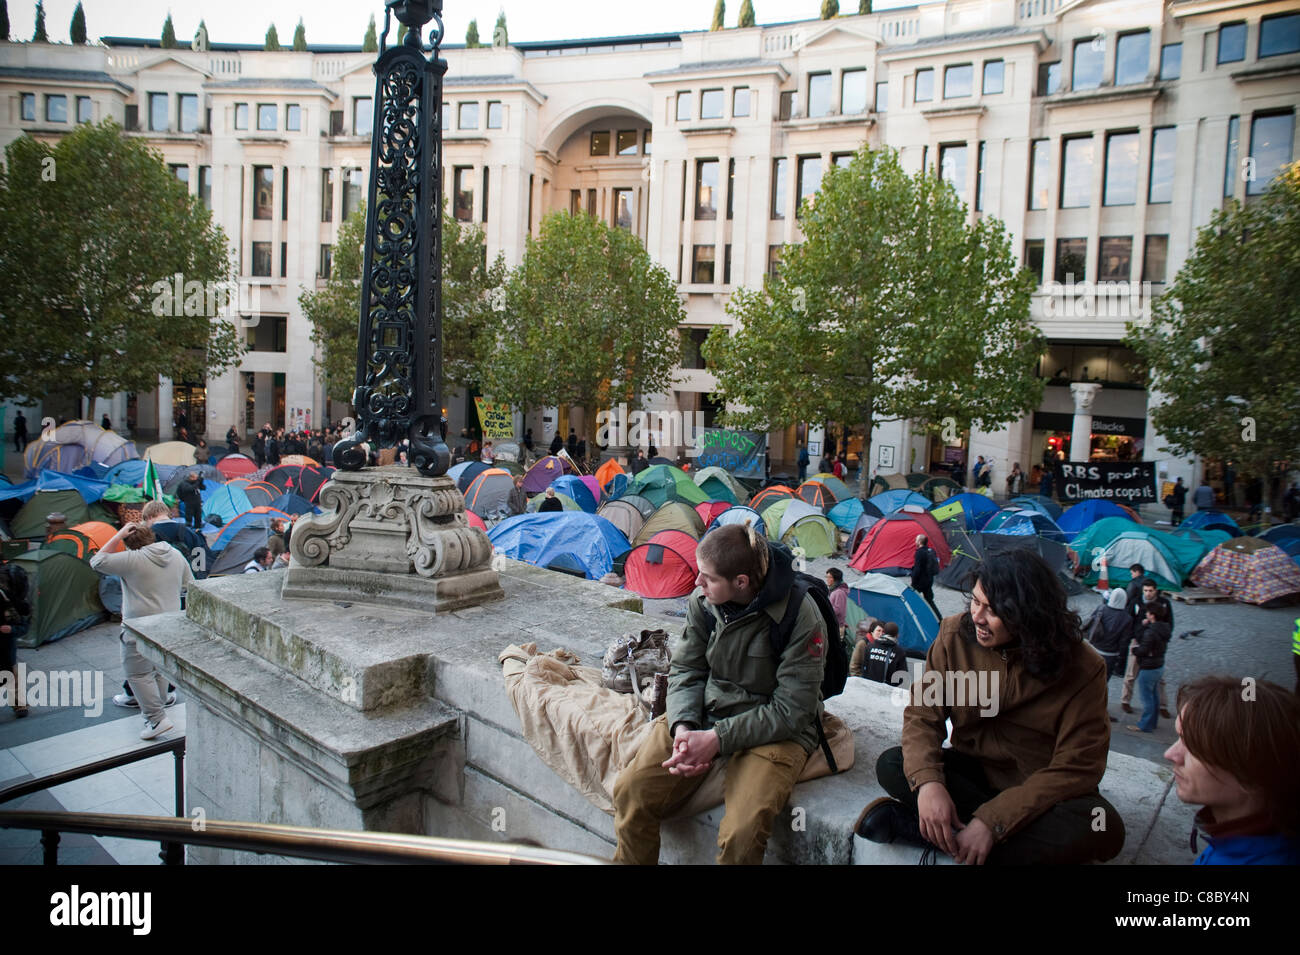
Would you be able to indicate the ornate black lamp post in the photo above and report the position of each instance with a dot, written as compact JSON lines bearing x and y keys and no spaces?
{"x":399,"y":348}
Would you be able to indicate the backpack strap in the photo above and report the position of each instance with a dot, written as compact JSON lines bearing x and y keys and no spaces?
{"x":779,"y":633}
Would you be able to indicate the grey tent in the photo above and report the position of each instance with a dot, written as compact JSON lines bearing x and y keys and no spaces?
{"x":624,"y":515}
{"x":239,"y":551}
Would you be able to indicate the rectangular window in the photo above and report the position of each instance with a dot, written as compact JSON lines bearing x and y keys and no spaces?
{"x":645,"y":145}
{"x":774,"y":261}
{"x":1071,"y":261}
{"x":1120,"y":188}
{"x":262,"y":259}
{"x":363,"y":115}
{"x":740,"y":102}
{"x":600,"y":143}
{"x":284,"y":193}
{"x":1034,"y":258}
{"x":958,"y":81}
{"x":853,"y":92}
{"x":354,"y":184}
{"x":810,"y":179}
{"x":284,"y":260}
{"x":1049,"y":78}
{"x":994,"y":76}
{"x":819,"y":94}
{"x":1154,"y":258}
{"x":726,"y":264}
{"x":980,"y":178}
{"x":1040,"y":163}
{"x":1089,"y":59}
{"x":623,"y":209}
{"x":785,"y":107}
{"x":326,"y":261}
{"x":711,"y":104}
{"x":882,"y":96}
{"x":56,"y":108}
{"x":702,"y":265}
{"x":683,"y":107}
{"x":1132,"y":56}
{"x":731,"y":188}
{"x":445,"y":113}
{"x":484,"y":216}
{"x":263,"y":192}
{"x":157,"y":111}
{"x":1115,"y":261}
{"x":952,"y":167}
{"x":241,"y":116}
{"x":924,"y":86}
{"x":327,"y":195}
{"x":591,"y":202}
{"x":1279,"y":34}
{"x":467,"y":117}
{"x":29,"y":107}
{"x":188,"y":111}
{"x":1076,"y":172}
{"x":841,"y":160}
{"x":496,"y":117}
{"x":627,"y":142}
{"x":706,"y":189}
{"x":1232,"y":42}
{"x":205,"y":186}
{"x":181,"y":172}
{"x":1171,"y":61}
{"x":336,"y":122}
{"x":1271,"y":138}
{"x":463,"y":204}
{"x":293,"y":118}
{"x":1230,"y":165}
{"x":778,"y":188}
{"x":1164,"y":144}
{"x":575,"y":201}
{"x":267,"y":114}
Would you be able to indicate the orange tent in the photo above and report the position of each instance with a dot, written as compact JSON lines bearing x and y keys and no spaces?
{"x":607,"y":471}
{"x":85,"y":538}
{"x":299,"y":459}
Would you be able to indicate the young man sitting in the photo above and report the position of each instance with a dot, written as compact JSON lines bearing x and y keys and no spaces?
{"x":730,"y":696}
{"x":1019,"y":783}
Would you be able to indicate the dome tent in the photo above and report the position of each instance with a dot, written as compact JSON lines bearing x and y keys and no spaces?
{"x":568,"y":540}
{"x":889,"y":547}
{"x":887,"y":598}
{"x":664,"y":566}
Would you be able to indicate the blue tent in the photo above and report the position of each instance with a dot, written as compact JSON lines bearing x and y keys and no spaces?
{"x":740,"y":514}
{"x":897,"y":499}
{"x":186,"y":540}
{"x":845,"y":514}
{"x":891,"y":599}
{"x":20,"y":492}
{"x":563,"y":540}
{"x":295,"y":505}
{"x":1011,"y":520}
{"x":90,"y":489}
{"x":94,"y":470}
{"x":130,"y":473}
{"x":1036,"y":502}
{"x":227,"y":503}
{"x":1086,"y":513}
{"x":261,"y":518}
{"x":616,"y":487}
{"x":574,"y":487}
{"x":975,"y":510}
{"x":1212,"y":520}
{"x":1285,"y":536}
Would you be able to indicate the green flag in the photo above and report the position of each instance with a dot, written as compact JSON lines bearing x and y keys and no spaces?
{"x":152,"y":486}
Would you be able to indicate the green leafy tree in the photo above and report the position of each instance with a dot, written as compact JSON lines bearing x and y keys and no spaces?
{"x":371,"y":42}
{"x":589,"y":320}
{"x":500,"y":35}
{"x":168,"y":33}
{"x":40,"y":36}
{"x":719,"y":13}
{"x":93,"y":231}
{"x":471,"y":36}
{"x":467,"y":296}
{"x":891,"y":308}
{"x":272,"y":39}
{"x":77,"y":31}
{"x":300,"y":37}
{"x":1220,"y":346}
{"x":830,"y":9}
{"x":864,"y":6}
{"x":746,"y":14}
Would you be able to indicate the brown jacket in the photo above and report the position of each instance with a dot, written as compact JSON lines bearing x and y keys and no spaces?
{"x":1048,"y":742}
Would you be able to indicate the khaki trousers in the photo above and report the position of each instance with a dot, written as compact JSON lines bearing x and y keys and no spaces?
{"x":1130,"y":677}
{"x":758,"y":784}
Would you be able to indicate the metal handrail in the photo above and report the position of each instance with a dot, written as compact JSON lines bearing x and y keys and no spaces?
{"x":325,"y":845}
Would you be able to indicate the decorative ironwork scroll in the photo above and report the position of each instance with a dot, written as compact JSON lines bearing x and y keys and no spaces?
{"x":399,"y":344}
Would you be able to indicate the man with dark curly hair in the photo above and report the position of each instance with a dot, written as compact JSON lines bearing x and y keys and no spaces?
{"x":1019,"y":783}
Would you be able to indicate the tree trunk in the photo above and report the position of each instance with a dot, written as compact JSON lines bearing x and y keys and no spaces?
{"x":864,"y":461}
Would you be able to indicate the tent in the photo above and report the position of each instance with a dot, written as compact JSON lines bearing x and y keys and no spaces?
{"x":258,"y":517}
{"x":237,"y":465}
{"x":673,"y":516}
{"x":305,"y":480}
{"x":890,"y":544}
{"x":227,"y":502}
{"x":969,"y":550}
{"x":740,"y":514}
{"x":896,"y":500}
{"x":818,"y":494}
{"x":566,"y":502}
{"x":663,"y":483}
{"x":128,"y":472}
{"x":1285,"y":536}
{"x":569,"y":540}
{"x":616,"y":487}
{"x":475,"y":521}
{"x":546,"y":470}
{"x":64,"y":594}
{"x":239,"y":549}
{"x":1086,"y":513}
{"x":866,"y":520}
{"x":916,"y":480}
{"x":259,"y":493}
{"x":1167,"y":558}
{"x":1036,"y":502}
{"x":720,"y":485}
{"x":171,"y":452}
{"x":488,"y":494}
{"x":188,"y":542}
{"x":887,"y":482}
{"x":972,"y":510}
{"x":83,"y":539}
{"x":466,"y":472}
{"x":29,"y":522}
{"x":576,"y":488}
{"x":456,"y":470}
{"x":940,"y":488}
{"x":796,"y":523}
{"x":710,"y":510}
{"x":664,"y":566}
{"x":624,"y":515}
{"x":173,"y":480}
{"x":293,"y":504}
{"x":882,"y":597}
{"x":1251,"y":570}
{"x":608,"y":471}
{"x":770,"y":495}
{"x":1212,"y":520}
{"x":845,"y":514}
{"x":298,"y":459}
{"x":75,"y":444}
{"x":1013,"y":520}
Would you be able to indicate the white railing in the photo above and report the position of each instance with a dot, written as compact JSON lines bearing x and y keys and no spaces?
{"x":785,"y":42}
{"x":1034,"y":9}
{"x":900,"y":29}
{"x":225,"y":65}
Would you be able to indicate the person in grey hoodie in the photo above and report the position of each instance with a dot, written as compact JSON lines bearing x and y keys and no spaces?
{"x":153,"y":574}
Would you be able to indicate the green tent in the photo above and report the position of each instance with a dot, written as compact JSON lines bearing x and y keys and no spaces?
{"x":1167,"y":558}
{"x":64,"y":594}
{"x":673,"y":516}
{"x":663,"y":483}
{"x":29,"y":522}
{"x":720,"y":486}
{"x":535,"y":502}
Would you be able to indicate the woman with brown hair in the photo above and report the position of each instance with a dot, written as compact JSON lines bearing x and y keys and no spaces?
{"x":1236,"y":755}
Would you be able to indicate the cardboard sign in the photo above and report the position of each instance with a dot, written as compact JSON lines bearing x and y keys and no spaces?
{"x":1133,"y":482}
{"x":497,"y":420}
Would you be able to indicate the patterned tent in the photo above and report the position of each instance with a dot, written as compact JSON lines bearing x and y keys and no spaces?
{"x":1251,"y":570}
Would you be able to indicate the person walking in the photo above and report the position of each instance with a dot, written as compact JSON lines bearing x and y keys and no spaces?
{"x":1015,"y":481}
{"x":925,"y":567}
{"x":802,"y":460}
{"x":20,"y":433}
{"x":1146,"y":596}
{"x":1153,"y":638}
{"x":1176,"y":500}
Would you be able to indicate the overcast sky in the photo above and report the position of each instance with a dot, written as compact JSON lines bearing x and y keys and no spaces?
{"x":344,"y":21}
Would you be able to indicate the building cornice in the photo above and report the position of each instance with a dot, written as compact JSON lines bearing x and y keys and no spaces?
{"x":57,"y":77}
{"x":963,"y":43}
{"x":1266,"y":73}
{"x":496,"y":84}
{"x":719,"y":68}
{"x":1105,"y":94}
{"x":943,"y":112}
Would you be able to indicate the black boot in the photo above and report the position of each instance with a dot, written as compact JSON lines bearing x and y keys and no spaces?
{"x":887,"y":820}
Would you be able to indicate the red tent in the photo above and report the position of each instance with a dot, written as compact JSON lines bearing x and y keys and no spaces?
{"x":711,"y":509}
{"x":475,"y":521}
{"x":664,"y":566}
{"x":889,"y":546}
{"x":236,"y":465}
